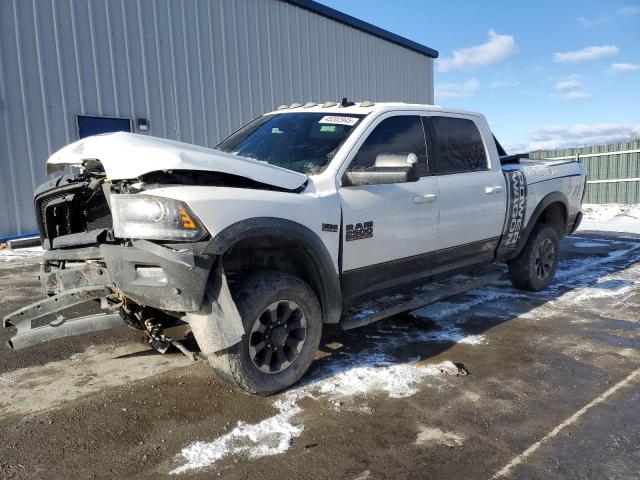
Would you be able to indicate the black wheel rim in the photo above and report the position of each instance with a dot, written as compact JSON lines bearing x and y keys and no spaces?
{"x":545,"y":256}
{"x":277,"y":336}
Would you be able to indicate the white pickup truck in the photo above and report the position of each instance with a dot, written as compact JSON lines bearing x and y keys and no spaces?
{"x":290,"y":223}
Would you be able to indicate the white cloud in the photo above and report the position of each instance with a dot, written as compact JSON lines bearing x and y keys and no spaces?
{"x":465,"y":89}
{"x":586,"y":23}
{"x":569,"y":85}
{"x":550,"y":137}
{"x":504,"y":83}
{"x":498,"y":48}
{"x":586,"y":54}
{"x":570,"y":88}
{"x":623,"y":68}
{"x":629,"y":11}
{"x":573,"y":95}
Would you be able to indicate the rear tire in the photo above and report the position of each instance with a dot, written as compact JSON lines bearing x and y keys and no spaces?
{"x":536,"y":265}
{"x":283,"y":325}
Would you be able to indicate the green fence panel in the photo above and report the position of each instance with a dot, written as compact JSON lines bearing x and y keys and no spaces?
{"x":613,"y":163}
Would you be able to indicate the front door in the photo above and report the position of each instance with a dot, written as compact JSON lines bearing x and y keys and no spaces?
{"x":389,"y":231}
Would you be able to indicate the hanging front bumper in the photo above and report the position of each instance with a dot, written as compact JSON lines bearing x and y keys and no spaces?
{"x":27,"y":334}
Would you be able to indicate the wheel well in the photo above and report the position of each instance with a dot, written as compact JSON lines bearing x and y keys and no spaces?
{"x":555,"y":215}
{"x":273,"y":253}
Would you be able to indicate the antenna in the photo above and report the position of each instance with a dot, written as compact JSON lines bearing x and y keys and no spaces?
{"x":346,"y":103}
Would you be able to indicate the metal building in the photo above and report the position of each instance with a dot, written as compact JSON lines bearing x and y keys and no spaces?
{"x":191,"y":70}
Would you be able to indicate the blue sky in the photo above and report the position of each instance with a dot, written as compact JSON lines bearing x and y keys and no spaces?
{"x":544,"y":73}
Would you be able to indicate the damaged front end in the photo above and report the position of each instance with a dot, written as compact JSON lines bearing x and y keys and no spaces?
{"x":123,"y":258}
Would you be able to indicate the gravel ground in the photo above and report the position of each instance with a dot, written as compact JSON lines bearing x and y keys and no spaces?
{"x":552,"y":391}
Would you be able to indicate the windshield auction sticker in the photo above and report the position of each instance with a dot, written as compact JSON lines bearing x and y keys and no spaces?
{"x":338,"y":120}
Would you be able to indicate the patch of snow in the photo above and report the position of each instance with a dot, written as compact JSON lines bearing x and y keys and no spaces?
{"x":8,"y":378}
{"x":590,"y":269}
{"x":364,"y":313}
{"x":453,"y":334}
{"x":443,"y":310}
{"x":271,"y":436}
{"x":20,"y":253}
{"x":605,"y":287}
{"x":590,"y":244}
{"x":611,"y":218}
{"x":397,"y":380}
{"x":275,"y":435}
{"x":339,"y":380}
{"x":435,"y":436}
{"x":375,"y":370}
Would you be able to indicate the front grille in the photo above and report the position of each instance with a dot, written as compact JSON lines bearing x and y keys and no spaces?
{"x":55,"y":216}
{"x":71,"y":209}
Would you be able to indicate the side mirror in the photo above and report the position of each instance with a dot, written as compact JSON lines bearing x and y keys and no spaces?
{"x":387,"y":169}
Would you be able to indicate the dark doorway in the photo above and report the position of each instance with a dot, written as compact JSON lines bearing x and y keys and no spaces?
{"x":88,"y":125}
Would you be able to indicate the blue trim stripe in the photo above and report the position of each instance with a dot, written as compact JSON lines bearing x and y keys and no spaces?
{"x":18,"y":237}
{"x":364,"y":26}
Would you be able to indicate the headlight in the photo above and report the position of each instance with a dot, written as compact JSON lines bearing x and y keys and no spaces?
{"x":154,"y":218}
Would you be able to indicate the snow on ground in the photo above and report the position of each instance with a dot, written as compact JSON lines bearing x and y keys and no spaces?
{"x":372,"y":371}
{"x":345,"y":377}
{"x":20,"y":254}
{"x":611,"y":218}
{"x":375,"y":370}
{"x":589,"y":244}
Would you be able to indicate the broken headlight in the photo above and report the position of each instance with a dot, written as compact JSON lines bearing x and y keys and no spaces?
{"x":154,"y":218}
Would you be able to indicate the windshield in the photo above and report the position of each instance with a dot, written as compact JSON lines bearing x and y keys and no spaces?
{"x":304,"y":142}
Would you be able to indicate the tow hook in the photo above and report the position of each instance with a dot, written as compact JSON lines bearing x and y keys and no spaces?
{"x":161,"y":343}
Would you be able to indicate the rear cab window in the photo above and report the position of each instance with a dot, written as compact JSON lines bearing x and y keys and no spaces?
{"x":458,"y":146}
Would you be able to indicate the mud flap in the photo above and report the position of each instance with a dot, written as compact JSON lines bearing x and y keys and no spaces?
{"x":218,"y":325}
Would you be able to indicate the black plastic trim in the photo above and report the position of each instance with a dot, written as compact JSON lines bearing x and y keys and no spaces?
{"x":186,"y":279}
{"x":260,"y":227}
{"x":363,"y":281}
{"x":533,"y":220}
{"x":574,"y":223}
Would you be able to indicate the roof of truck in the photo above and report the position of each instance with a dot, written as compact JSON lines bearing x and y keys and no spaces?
{"x":365,"y":107}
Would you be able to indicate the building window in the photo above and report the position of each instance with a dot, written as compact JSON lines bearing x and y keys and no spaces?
{"x":89,"y":125}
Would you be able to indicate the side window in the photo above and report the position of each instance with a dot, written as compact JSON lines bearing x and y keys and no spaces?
{"x":458,"y":146}
{"x":400,"y":135}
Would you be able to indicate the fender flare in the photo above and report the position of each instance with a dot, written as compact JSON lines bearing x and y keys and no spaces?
{"x":553,"y":197}
{"x":329,"y":281}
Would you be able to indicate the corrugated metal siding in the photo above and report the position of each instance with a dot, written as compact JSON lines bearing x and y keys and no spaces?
{"x":613,"y":168}
{"x":197,"y":69}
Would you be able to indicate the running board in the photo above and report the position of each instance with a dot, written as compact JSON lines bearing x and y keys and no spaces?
{"x":371,"y":311}
{"x":60,"y":327}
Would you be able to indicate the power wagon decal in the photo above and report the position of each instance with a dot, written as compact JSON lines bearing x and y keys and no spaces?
{"x":517,"y":209}
{"x":359,"y":231}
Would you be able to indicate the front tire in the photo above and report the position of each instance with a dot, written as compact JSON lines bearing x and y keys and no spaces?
{"x":283,"y":324}
{"x":536,"y":265}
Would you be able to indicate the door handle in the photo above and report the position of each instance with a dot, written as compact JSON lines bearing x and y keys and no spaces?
{"x":427,"y":198}
{"x":493,"y":189}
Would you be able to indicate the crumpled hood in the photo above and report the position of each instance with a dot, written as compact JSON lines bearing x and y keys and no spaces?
{"x":128,"y":156}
